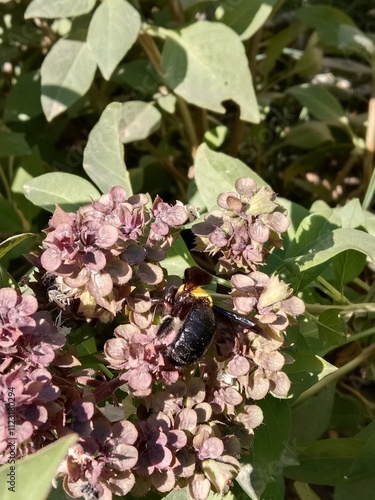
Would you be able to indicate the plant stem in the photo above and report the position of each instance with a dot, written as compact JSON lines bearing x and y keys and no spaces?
{"x":176,"y":11}
{"x":151,"y":49}
{"x":364,"y":307}
{"x":336,"y":375}
{"x":189,"y":125}
{"x":6,"y":184}
{"x":331,"y":291}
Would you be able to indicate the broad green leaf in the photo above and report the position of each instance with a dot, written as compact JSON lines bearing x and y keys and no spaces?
{"x":179,"y":258}
{"x":216,"y":173}
{"x":348,"y":266}
{"x":331,"y":244}
{"x":103,"y":158}
{"x":206,"y":64}
{"x":306,"y":371}
{"x":13,"y":144}
{"x":364,"y":464}
{"x":277,"y":43}
{"x":59,"y":188}
{"x":320,"y":405}
{"x":308,"y":135}
{"x":50,"y":9}
{"x":13,"y":241}
{"x":320,"y":103}
{"x":10,"y":221}
{"x":325,"y":17}
{"x":326,"y":461}
{"x":138,"y":120}
{"x":332,"y":327}
{"x":348,"y":414}
{"x":311,"y":227}
{"x":35,"y":472}
{"x":245,"y":17}
{"x":337,"y":30}
{"x":23,"y":101}
{"x":67,"y":73}
{"x":113,"y":29}
{"x":352,"y":489}
{"x":6,"y":279}
{"x":311,"y":61}
{"x":268,"y":448}
{"x":351,"y":214}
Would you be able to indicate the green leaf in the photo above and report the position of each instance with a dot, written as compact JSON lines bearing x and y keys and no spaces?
{"x":216,"y":173}
{"x":10,"y":221}
{"x":311,"y":61}
{"x":364,"y":464}
{"x":50,"y":9}
{"x":348,"y":266}
{"x":23,"y":101}
{"x":37,"y":469}
{"x":6,"y":279}
{"x":267,"y":453}
{"x":320,"y":103}
{"x":13,"y":241}
{"x":13,"y":144}
{"x":320,"y":405}
{"x":308,"y":135}
{"x":245,"y":17}
{"x":113,"y":29}
{"x":326,"y":461}
{"x":59,"y":188}
{"x":306,"y":371}
{"x":331,"y":244}
{"x":138,"y":120}
{"x":103,"y":158}
{"x":179,"y":258}
{"x":337,"y":30}
{"x":332,"y":327}
{"x":67,"y":73}
{"x":352,"y":489}
{"x":277,"y":43}
{"x":206,"y":64}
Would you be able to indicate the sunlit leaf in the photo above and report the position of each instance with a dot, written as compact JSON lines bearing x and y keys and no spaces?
{"x":59,"y":188}
{"x":37,"y":469}
{"x":306,"y":371}
{"x":199,"y":66}
{"x":67,"y":73}
{"x":58,"y":8}
{"x":103,"y":158}
{"x":138,"y":120}
{"x":245,"y":17}
{"x":113,"y":30}
{"x":217,"y":172}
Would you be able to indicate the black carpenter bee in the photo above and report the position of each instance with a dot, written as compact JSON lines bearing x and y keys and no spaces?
{"x":193,"y":316}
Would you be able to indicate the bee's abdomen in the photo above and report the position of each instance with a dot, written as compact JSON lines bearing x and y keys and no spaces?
{"x":194,"y":336}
